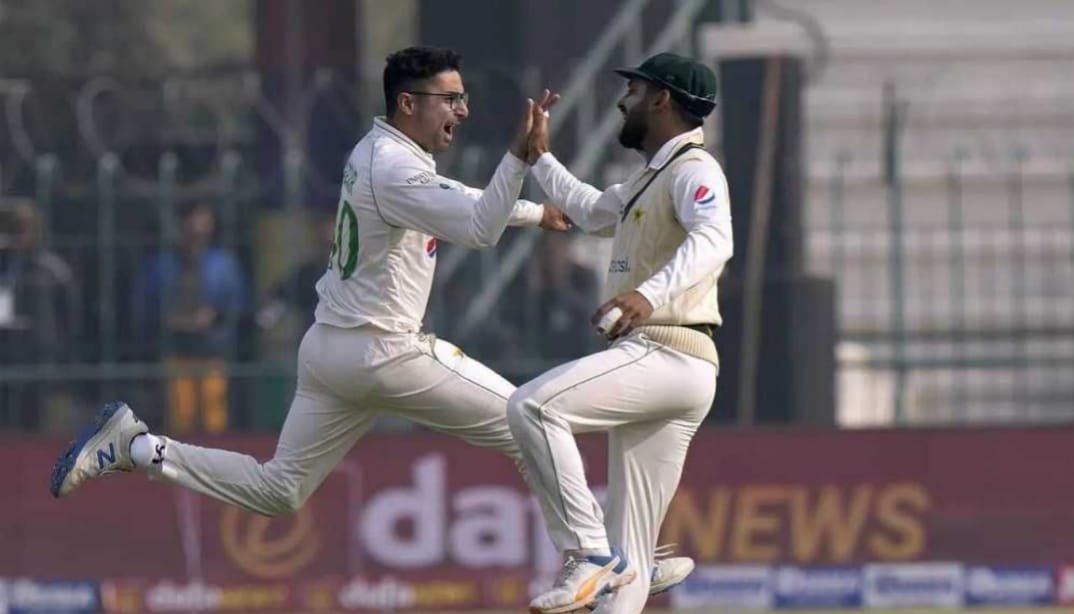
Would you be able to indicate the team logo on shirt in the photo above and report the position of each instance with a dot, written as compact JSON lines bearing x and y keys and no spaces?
{"x":704,"y":197}
{"x":430,"y":248}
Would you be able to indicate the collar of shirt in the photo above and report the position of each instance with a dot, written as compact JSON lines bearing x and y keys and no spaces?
{"x":381,"y":125}
{"x":697,"y":135}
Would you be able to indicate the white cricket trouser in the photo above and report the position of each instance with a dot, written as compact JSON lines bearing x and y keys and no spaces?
{"x":651,"y":399}
{"x":346,"y":377}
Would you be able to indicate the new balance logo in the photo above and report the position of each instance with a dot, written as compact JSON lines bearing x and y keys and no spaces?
{"x":158,"y":454}
{"x":103,"y":456}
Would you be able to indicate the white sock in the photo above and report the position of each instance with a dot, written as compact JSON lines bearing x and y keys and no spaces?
{"x":147,"y":450}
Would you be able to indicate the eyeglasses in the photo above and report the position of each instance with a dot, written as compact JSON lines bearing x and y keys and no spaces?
{"x":455,"y":99}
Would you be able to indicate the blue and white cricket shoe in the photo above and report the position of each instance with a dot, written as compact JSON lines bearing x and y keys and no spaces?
{"x":101,"y":448}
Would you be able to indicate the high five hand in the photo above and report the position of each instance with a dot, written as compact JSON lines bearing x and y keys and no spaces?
{"x":522,"y":136}
{"x":538,"y":139}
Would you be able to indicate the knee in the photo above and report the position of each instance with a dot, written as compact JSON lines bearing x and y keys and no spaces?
{"x":286,"y":502}
{"x":522,"y":411}
{"x":282,"y":496}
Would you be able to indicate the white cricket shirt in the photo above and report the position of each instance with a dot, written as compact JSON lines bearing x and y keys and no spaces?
{"x":673,"y":243}
{"x":393,"y":208}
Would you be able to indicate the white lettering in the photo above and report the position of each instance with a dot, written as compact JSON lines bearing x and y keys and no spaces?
{"x":168,"y":597}
{"x":418,"y":525}
{"x":387,"y":593}
{"x":51,"y":596}
{"x":423,"y":505}
{"x":491,"y":529}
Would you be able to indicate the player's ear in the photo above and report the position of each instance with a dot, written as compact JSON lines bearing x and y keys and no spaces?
{"x":404,"y":102}
{"x":661,"y":100}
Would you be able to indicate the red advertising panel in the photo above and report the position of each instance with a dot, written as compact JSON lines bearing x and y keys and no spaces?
{"x":429,"y":522}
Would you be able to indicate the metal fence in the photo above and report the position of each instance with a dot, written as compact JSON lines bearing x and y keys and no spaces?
{"x":956,"y":295}
{"x":955,"y":283}
{"x":95,"y":213}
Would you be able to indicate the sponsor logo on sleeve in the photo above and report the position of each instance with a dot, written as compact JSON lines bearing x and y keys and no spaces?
{"x":1009,"y":585}
{"x":898,"y":585}
{"x":743,"y":587}
{"x":421,"y":178}
{"x":704,"y":197}
{"x":820,"y":587}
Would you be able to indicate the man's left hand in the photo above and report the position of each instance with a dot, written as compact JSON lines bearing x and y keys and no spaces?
{"x":635,"y":307}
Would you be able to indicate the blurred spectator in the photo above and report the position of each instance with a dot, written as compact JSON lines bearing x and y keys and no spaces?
{"x":188,"y":302}
{"x":567,"y":294}
{"x":296,"y":294}
{"x":39,"y":311}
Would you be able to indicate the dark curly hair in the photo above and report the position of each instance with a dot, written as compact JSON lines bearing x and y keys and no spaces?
{"x":413,"y":64}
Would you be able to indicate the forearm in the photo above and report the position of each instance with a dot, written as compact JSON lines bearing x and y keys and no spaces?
{"x":497,"y":205}
{"x":581,"y":201}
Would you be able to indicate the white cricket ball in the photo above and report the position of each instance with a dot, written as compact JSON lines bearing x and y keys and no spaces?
{"x":608,"y":321}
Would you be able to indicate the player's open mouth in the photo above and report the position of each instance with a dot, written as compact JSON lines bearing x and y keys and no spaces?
{"x":449,"y":130}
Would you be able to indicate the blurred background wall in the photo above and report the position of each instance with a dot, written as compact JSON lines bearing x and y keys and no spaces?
{"x":902,"y":184}
{"x":917,"y":225}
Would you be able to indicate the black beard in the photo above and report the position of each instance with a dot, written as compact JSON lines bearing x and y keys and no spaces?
{"x":633,"y":132}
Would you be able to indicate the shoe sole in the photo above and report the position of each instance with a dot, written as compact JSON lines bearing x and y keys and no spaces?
{"x":618,"y":581}
{"x":67,"y":461}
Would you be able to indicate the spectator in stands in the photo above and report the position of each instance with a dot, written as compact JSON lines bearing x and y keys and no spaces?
{"x":551,"y":305}
{"x":296,"y":293}
{"x":39,"y":316}
{"x":188,"y":301}
{"x":567,"y":293}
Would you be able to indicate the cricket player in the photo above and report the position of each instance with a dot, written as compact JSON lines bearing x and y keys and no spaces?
{"x":365,"y":354}
{"x":653,"y":386}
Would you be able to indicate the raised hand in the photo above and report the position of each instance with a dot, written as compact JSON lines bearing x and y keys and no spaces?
{"x":539,"y":133}
{"x":525,"y":125}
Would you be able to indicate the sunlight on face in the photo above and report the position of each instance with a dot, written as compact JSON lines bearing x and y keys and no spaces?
{"x":435,"y":118}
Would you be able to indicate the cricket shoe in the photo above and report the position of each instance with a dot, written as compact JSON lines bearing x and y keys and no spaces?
{"x":101,"y":448}
{"x":582,"y":580}
{"x":669,"y":571}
